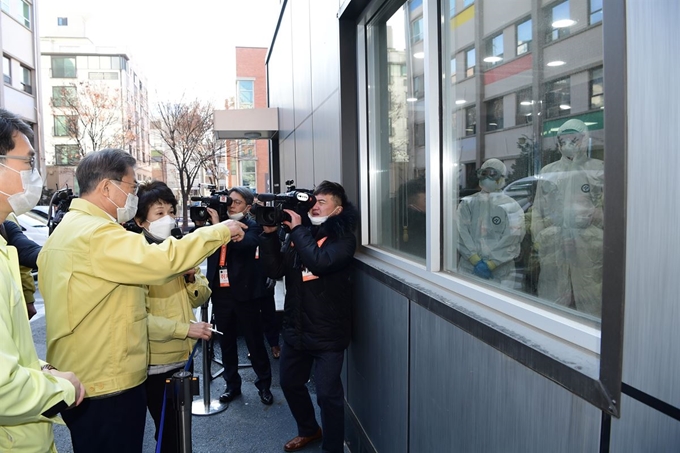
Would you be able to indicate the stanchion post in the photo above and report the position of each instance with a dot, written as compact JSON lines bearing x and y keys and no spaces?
{"x":206,"y":406}
{"x":184,"y":387}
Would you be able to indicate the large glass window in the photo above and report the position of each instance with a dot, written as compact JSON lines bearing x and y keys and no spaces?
{"x":524,"y":37}
{"x":26,"y":13}
{"x":246,"y":94}
{"x":494,"y":50}
{"x":27,"y":79}
{"x":417,"y":30}
{"x":559,"y":21}
{"x":65,"y":125}
{"x":63,"y":67}
{"x":6,"y":69}
{"x":595,"y":11}
{"x":470,"y":62}
{"x":522,"y":196}
{"x":63,"y":96}
{"x":248,"y":173}
{"x":66,"y":154}
{"x":397,"y":155}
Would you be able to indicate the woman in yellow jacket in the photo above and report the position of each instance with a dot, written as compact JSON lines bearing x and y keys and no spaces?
{"x":172,"y":326}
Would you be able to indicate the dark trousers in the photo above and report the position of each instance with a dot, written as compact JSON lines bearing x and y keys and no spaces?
{"x":155,"y":390}
{"x":112,"y":424}
{"x":270,"y":323}
{"x":229,"y":316}
{"x":295,"y":369}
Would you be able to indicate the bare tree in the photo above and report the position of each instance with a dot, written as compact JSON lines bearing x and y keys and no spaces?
{"x":211,"y":151}
{"x":93,"y":115}
{"x":186,"y":129}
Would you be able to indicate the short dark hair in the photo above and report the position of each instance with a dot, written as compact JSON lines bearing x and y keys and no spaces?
{"x":105,"y":164}
{"x":151,"y":192}
{"x":9,"y":125}
{"x":333,"y":189}
{"x":245,"y":192}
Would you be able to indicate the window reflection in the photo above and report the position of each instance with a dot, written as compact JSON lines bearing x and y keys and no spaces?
{"x":529,"y":180}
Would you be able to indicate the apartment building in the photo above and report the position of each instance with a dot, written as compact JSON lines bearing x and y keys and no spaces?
{"x":94,"y":98}
{"x":19,"y":42}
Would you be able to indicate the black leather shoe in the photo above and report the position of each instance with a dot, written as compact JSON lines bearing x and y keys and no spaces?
{"x":266,"y":397}
{"x":229,"y":395}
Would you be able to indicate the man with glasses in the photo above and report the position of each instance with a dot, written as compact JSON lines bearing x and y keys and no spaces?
{"x":30,"y":390}
{"x":93,"y":277}
{"x":490,"y":228}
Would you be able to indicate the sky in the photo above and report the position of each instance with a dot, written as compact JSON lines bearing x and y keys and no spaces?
{"x":183,"y":49}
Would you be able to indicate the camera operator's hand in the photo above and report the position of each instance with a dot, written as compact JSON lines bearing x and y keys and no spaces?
{"x":236,"y":229}
{"x":80,"y":388}
{"x":269,"y":229}
{"x":214,"y":216}
{"x":294,"y":221}
{"x":200,"y":331}
{"x":190,"y":276}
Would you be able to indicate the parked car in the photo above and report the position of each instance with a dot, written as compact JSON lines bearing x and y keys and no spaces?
{"x":34,"y":227}
{"x":42,"y":211}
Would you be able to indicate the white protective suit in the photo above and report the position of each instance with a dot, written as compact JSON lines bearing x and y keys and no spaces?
{"x":566,"y":227}
{"x":491,"y":228}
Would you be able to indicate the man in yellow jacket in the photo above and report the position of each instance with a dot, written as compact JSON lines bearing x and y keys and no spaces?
{"x":93,"y":277}
{"x":31,"y":392}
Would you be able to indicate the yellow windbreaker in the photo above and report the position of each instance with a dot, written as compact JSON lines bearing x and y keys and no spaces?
{"x":25,"y":391}
{"x":94,"y":276}
{"x":169,"y":308}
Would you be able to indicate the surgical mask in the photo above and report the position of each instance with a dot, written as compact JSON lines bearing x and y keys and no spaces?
{"x":320,"y":219}
{"x":162,"y":228}
{"x":237,"y":216}
{"x":32,"y":184}
{"x":128,"y":211}
{"x":488,"y":185}
{"x":569,"y":150}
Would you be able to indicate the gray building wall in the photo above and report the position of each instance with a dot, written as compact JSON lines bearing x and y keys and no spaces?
{"x":417,"y":382}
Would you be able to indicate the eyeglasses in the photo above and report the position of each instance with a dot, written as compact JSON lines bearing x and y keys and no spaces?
{"x":135,"y":185}
{"x":30,"y":160}
{"x":490,"y":173}
{"x":572,"y":141}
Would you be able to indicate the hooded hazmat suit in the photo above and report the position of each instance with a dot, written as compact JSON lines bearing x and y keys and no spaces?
{"x":566,"y":224}
{"x":491,"y":228}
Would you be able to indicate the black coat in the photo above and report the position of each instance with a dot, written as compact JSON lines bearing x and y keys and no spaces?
{"x":317,"y":313}
{"x":246,"y":277}
{"x":26,"y":248}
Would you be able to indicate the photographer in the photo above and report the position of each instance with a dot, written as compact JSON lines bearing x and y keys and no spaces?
{"x":93,"y":277}
{"x":315,"y":261}
{"x":238,"y":285}
{"x":32,"y":392}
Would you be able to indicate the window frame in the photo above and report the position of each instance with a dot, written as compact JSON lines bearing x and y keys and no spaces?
{"x":528,"y":44}
{"x":26,"y":14}
{"x":27,"y":82}
{"x":591,"y":84}
{"x":470,"y":71}
{"x":61,"y":122}
{"x":491,"y":104}
{"x":62,"y":21}
{"x":431,"y":288}
{"x":7,"y":66}
{"x":239,"y":89}
{"x":489,"y":45}
{"x":58,"y":153}
{"x":553,"y":34}
{"x":62,"y":69}
{"x":596,"y":13}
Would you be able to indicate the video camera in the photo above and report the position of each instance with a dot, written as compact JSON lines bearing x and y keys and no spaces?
{"x":218,"y":200}
{"x":298,"y":200}
{"x":59,"y":206}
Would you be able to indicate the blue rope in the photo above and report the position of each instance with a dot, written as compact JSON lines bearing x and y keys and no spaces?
{"x":162,"y":423}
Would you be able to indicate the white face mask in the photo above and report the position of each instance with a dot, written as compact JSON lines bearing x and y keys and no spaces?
{"x":237,"y":216}
{"x":569,"y":150}
{"x":162,"y":228}
{"x":32,"y":184}
{"x":488,"y":185}
{"x":320,"y":219}
{"x":128,"y":211}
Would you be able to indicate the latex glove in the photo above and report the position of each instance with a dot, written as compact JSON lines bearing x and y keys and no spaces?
{"x":482,"y":270}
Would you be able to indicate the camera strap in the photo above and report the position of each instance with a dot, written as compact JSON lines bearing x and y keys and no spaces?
{"x":224,"y":275}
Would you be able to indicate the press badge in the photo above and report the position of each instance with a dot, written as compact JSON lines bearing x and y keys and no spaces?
{"x":224,"y":275}
{"x":306,"y":274}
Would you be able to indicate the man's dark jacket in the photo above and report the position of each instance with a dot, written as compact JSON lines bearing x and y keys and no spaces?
{"x":317,"y":313}
{"x":26,"y":248}
{"x":246,"y":278}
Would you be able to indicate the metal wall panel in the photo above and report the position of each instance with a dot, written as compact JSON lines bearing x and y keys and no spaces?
{"x":327,"y":155}
{"x":643,"y":429}
{"x":302,"y":73}
{"x":287,"y":160}
{"x":281,"y":76}
{"x":652,"y":311}
{"x":467,"y":396}
{"x":325,"y":50}
{"x":304,"y":154}
{"x":377,"y":364}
